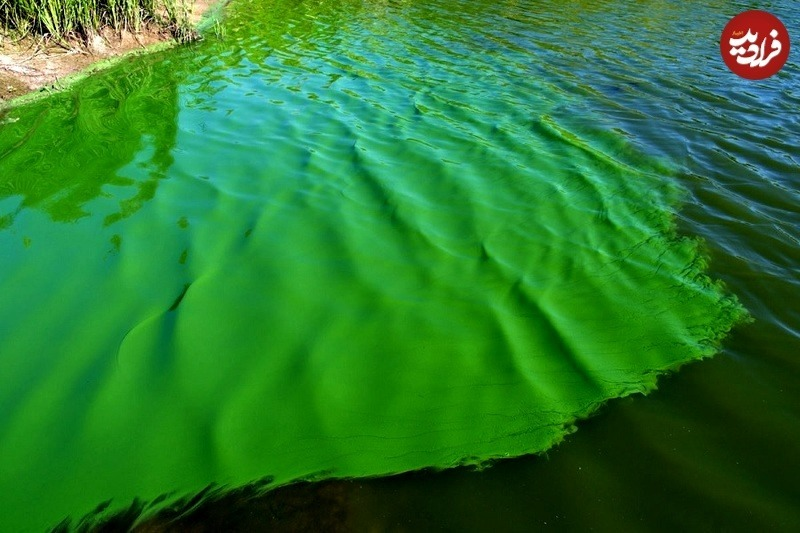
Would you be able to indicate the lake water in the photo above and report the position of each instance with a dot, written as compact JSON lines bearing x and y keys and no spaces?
{"x":353,"y":239}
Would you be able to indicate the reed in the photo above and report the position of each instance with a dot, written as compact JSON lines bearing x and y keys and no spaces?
{"x":63,"y":18}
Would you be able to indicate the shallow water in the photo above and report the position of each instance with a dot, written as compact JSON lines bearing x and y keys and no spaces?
{"x":365,"y":238}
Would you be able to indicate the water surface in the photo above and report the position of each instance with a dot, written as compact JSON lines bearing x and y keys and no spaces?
{"x":359,"y":239}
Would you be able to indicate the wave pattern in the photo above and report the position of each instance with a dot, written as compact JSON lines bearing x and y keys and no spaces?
{"x":369,"y":243}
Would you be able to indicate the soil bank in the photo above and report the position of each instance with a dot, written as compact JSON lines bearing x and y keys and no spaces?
{"x":32,"y":64}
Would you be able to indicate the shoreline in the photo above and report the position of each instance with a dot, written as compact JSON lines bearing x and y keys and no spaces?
{"x":30,"y":69}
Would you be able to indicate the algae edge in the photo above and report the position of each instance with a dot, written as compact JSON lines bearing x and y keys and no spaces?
{"x":171,"y":507}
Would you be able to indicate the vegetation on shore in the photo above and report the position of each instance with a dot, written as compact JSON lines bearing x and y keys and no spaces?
{"x":59,"y":19}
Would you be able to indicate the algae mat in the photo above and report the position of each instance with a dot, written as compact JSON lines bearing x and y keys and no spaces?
{"x":340,"y":240}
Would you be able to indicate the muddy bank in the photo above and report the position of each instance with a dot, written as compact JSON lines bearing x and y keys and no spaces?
{"x":33,"y":64}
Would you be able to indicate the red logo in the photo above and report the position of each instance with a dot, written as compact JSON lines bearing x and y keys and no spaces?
{"x":754,"y":45}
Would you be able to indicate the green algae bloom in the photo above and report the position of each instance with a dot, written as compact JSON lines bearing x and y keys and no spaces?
{"x":280,"y":254}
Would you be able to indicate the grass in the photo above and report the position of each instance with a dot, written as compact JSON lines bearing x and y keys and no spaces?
{"x":59,"y":19}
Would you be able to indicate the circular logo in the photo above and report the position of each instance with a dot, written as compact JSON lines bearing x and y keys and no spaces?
{"x":754,"y":45}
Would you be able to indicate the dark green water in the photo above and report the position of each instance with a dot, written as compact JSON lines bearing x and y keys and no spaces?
{"x":362,"y":238}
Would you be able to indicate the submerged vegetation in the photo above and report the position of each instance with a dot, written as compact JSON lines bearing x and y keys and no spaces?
{"x":60,"y":19}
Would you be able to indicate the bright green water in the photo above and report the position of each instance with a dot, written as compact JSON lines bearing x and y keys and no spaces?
{"x":344,"y":240}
